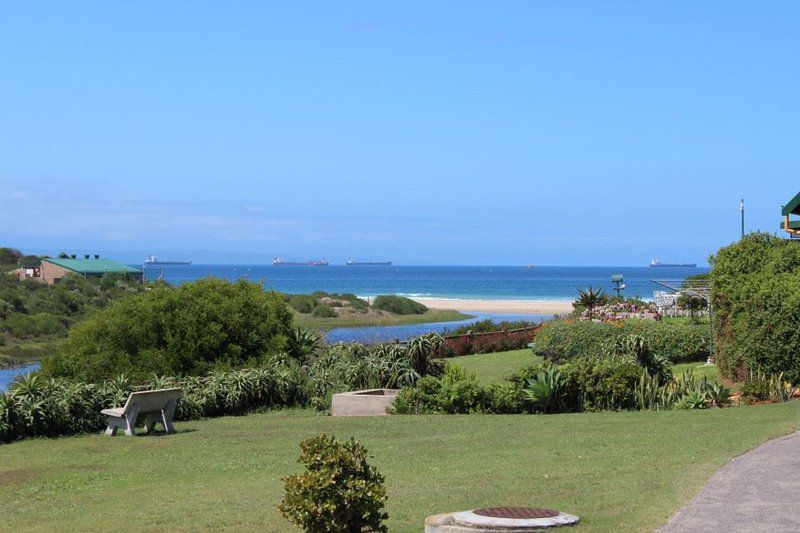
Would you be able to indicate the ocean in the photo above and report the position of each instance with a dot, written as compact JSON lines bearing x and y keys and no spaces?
{"x":458,"y":282}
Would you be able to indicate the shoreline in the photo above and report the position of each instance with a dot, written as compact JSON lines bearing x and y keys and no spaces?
{"x":519,"y":307}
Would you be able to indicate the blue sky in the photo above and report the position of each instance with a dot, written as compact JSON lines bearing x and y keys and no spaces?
{"x":560,"y":133}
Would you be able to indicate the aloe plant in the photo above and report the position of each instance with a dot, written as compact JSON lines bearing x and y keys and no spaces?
{"x":543,"y":390}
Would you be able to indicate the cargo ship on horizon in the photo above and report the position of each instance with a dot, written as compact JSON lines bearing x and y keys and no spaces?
{"x":153,"y":260}
{"x":280,"y":261}
{"x":353,"y":262}
{"x":658,"y":263}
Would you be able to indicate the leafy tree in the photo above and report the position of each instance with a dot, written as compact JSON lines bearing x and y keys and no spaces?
{"x":590,"y":299}
{"x":203,"y":325}
{"x":9,"y":256}
{"x":340,"y":492}
{"x":693,"y":304}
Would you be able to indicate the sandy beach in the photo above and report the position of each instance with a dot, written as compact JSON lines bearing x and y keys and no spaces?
{"x":522,"y":307}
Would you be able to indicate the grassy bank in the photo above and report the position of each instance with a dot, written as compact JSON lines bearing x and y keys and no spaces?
{"x":493,"y":367}
{"x":18,"y":352}
{"x":376,"y":318}
{"x":624,"y":471}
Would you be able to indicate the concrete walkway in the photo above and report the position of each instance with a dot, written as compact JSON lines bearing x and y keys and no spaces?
{"x":757,"y":491}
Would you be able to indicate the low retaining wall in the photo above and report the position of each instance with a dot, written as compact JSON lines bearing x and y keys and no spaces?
{"x":371,"y":402}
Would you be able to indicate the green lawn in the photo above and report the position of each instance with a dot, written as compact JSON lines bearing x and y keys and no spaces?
{"x":699,"y":370}
{"x":618,"y":471}
{"x":489,"y":367}
{"x":492,"y":367}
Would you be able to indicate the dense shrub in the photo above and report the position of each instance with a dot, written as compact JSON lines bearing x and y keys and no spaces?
{"x":339,"y":492}
{"x":25,"y":326}
{"x":302,"y":303}
{"x":459,"y":392}
{"x":563,"y":340}
{"x":755,"y":288}
{"x":188,"y":330}
{"x":324,"y":311}
{"x":398,"y":305}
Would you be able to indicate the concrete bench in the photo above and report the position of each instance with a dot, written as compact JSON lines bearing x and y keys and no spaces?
{"x":157,"y":406}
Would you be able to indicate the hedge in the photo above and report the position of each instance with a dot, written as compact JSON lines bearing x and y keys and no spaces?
{"x":755,"y":290}
{"x":563,"y":340}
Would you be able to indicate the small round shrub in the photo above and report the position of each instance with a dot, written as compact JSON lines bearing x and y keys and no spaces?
{"x":324,"y":311}
{"x":302,"y":303}
{"x":398,"y":305}
{"x":339,"y":492}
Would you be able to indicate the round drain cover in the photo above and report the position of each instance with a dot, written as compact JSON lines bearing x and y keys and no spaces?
{"x":512,"y":519}
{"x":519,"y":513}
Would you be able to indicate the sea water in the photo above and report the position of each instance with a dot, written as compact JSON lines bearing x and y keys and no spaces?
{"x":458,"y":282}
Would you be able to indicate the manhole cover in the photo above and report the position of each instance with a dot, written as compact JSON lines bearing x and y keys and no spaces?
{"x":518,"y":513}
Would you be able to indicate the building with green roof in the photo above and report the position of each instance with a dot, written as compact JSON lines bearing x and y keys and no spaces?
{"x":51,"y":270}
{"x":792,"y":208}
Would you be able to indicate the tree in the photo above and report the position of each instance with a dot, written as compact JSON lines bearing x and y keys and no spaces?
{"x":340,"y":492}
{"x":200,"y":326}
{"x":692,"y":304}
{"x":590,"y":299}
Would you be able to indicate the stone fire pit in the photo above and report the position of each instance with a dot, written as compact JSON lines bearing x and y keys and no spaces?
{"x":371,"y":402}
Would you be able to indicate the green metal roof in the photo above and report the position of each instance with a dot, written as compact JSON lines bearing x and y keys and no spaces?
{"x":793,"y":207}
{"x":793,"y":224}
{"x":94,"y":266}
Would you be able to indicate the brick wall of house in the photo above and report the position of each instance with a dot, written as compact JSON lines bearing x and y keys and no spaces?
{"x":52,"y":273}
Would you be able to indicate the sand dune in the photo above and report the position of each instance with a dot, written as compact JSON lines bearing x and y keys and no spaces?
{"x":532,"y":307}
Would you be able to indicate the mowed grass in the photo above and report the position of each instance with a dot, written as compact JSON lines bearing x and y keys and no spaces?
{"x":491,"y":367}
{"x":625,"y":471}
{"x":699,"y":370}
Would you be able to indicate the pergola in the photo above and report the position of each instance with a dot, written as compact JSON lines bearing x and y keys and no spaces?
{"x":699,"y":288}
{"x":792,"y":227}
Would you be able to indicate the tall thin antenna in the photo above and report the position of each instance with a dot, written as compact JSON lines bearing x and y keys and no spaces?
{"x":741,"y":208}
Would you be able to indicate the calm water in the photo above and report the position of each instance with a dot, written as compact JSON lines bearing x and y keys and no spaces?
{"x":385,"y":333}
{"x":489,"y":283}
{"x":7,"y":375}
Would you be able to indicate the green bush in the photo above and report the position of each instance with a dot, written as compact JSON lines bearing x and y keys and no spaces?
{"x":199,"y":326}
{"x":324,"y":311}
{"x":339,"y":492}
{"x":398,"y":305}
{"x":564,"y":340}
{"x":457,"y":391}
{"x":302,"y":303}
{"x":755,"y":288}
{"x":21,"y":325}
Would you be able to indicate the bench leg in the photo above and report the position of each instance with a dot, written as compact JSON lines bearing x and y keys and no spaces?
{"x":130,"y":422}
{"x":167,"y":416}
{"x":111,"y":430}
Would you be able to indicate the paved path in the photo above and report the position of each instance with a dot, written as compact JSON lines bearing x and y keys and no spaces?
{"x":757,"y":491}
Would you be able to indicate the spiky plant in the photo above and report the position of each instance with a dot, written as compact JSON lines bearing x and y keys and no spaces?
{"x":590,"y":299}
